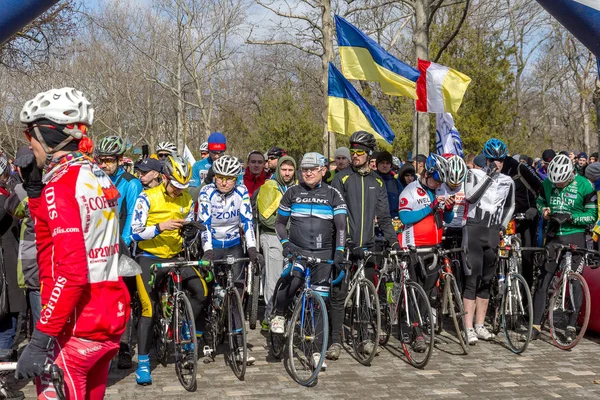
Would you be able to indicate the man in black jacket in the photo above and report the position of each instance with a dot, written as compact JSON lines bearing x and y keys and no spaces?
{"x":366,"y":197}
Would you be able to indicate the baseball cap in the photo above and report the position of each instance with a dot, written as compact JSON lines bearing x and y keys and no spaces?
{"x":311,"y":160}
{"x":548,"y":155}
{"x":149,"y":164}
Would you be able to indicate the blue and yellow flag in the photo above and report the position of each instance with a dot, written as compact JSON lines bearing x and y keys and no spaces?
{"x":363,"y":59}
{"x":349,"y":111}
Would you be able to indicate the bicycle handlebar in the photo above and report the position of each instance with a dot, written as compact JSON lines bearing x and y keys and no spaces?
{"x":178,"y":265}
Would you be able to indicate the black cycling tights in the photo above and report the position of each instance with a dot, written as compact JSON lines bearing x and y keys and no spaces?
{"x":547,"y":273}
{"x":482,"y":248}
{"x":148,"y":297}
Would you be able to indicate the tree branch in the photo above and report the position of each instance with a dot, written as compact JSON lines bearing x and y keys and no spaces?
{"x":451,"y":38}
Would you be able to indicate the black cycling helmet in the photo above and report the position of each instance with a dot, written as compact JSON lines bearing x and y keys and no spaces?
{"x":276,"y":152}
{"x":362,"y":140}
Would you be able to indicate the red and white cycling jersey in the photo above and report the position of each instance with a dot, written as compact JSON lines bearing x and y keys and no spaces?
{"x":460,"y":216}
{"x":77,"y":236}
{"x":424,"y":232}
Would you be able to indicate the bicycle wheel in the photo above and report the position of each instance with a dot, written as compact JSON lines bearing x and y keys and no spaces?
{"x":185,"y":343}
{"x":365,"y":320}
{"x":253,"y":300}
{"x":495,"y":306}
{"x":160,"y":329}
{"x":386,"y":325}
{"x":238,"y":350}
{"x":457,"y":312}
{"x":307,"y":338}
{"x":517,"y":313}
{"x":569,"y":311}
{"x":415,"y":322}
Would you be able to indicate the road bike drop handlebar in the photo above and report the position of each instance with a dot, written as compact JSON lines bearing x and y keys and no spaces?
{"x":314,"y":260}
{"x":56,"y":376}
{"x":179,"y":265}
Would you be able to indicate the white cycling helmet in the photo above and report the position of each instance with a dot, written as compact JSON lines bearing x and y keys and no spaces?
{"x":63,"y":106}
{"x":3,"y":165}
{"x":456,"y":170}
{"x":166,"y":146}
{"x":560,"y":169}
{"x":227,"y":166}
{"x":204,"y":147}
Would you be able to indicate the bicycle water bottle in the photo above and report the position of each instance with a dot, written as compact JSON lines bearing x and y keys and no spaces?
{"x":389,"y":286}
{"x":219,"y":293}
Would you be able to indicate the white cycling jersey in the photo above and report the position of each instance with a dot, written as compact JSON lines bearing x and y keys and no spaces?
{"x":490,"y":201}
{"x":223,"y":215}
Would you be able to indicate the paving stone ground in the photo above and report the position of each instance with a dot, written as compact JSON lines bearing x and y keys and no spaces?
{"x":490,"y":371}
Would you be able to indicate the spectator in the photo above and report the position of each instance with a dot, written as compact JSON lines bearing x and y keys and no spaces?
{"x":273,"y":156}
{"x":420,"y":164}
{"x":217,"y":144}
{"x":255,"y":175}
{"x":342,"y":158}
{"x":593,"y":158}
{"x":581,"y":163}
{"x":150,"y":173}
{"x":479,"y":162}
{"x":392,"y":185}
{"x":547,"y":156}
{"x":406,"y":174}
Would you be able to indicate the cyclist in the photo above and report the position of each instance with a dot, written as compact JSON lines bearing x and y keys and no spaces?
{"x":224,"y":206}
{"x":217,"y":144}
{"x":109,"y":155}
{"x":273,"y":156}
{"x":204,"y":150}
{"x":150,"y":172}
{"x":366,"y":197}
{"x":127,"y":164}
{"x":491,"y":201}
{"x":563,"y":192}
{"x":164,"y":150}
{"x":160,"y":212}
{"x":267,"y":199}
{"x":85,"y":302}
{"x":255,"y":175}
{"x":316,"y":214}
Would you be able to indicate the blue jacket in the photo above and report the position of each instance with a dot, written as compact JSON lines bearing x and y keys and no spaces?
{"x":393,"y":188}
{"x":199,"y":171}
{"x":129,"y":187}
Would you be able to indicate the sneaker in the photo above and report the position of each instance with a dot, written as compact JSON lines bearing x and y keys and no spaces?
{"x":535,"y":335}
{"x":316,"y":359}
{"x":419,"y":344}
{"x":333,"y":352}
{"x":264,"y":326}
{"x":142,"y":374}
{"x":249,"y":359}
{"x":471,"y":337}
{"x":124,"y":361}
{"x":483,"y":334}
{"x":570,"y":334}
{"x":278,"y":325}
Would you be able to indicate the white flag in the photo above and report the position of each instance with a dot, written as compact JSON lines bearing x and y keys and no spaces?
{"x":187,"y":154}
{"x":447,"y":137}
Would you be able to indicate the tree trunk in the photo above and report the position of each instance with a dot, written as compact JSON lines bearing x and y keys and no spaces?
{"x":584,"y":109}
{"x":180,"y":111}
{"x":421,"y":121}
{"x":328,"y":139}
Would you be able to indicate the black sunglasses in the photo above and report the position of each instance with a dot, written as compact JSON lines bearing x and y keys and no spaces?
{"x":163,"y":155}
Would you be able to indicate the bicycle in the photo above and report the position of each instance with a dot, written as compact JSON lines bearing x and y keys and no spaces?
{"x":252,"y":289}
{"x":407,"y":306}
{"x":511,"y":304}
{"x":174,"y":322}
{"x":225,"y":302}
{"x":363,"y":314}
{"x":53,"y":371}
{"x":307,"y":325}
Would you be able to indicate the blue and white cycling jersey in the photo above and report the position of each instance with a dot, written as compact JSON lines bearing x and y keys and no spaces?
{"x":223,"y":215}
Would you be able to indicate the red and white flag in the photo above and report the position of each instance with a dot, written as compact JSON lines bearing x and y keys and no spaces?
{"x":439,"y":88}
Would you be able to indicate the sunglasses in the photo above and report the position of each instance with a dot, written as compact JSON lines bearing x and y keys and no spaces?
{"x":495,"y":159}
{"x":106,"y":160}
{"x":273,"y":157}
{"x":217,"y":152}
{"x":81,"y":127}
{"x":163,"y":155}
{"x":357,"y":152}
{"x":224,"y":178}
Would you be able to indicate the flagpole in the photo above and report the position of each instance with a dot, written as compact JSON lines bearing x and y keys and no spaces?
{"x":417,"y":143}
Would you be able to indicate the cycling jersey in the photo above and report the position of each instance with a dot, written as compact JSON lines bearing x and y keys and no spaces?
{"x":223,"y":214}
{"x":314,"y":215}
{"x":460,"y":217}
{"x":152,"y":207}
{"x":423,"y":226}
{"x":490,"y":201}
{"x":527,"y":183}
{"x":129,"y":187}
{"x":76,"y":229}
{"x":577,"y":198}
{"x":199,"y":171}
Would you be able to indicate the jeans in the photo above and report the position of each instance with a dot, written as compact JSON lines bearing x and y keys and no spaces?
{"x":8,"y":330}
{"x":35,"y":304}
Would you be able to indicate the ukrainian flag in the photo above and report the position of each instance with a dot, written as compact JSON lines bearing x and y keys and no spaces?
{"x":363,"y":59}
{"x":349,"y":112}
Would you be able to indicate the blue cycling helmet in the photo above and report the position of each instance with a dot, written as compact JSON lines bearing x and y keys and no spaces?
{"x":495,"y":149}
{"x":436,"y":166}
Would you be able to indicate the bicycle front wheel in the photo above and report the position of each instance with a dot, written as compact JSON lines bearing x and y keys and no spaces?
{"x":569,"y":311}
{"x":416,"y":325}
{"x":253,"y":300}
{"x":517,"y":313}
{"x":365,"y":321}
{"x":185,"y":343}
{"x":457,"y":312}
{"x":238,"y":350}
{"x":307,"y":338}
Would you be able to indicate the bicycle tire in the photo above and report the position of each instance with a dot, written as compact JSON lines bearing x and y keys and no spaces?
{"x":512,"y":323}
{"x":160,"y":333}
{"x":253,"y":301}
{"x":303,"y":337}
{"x":495,"y":305}
{"x":457,"y":312}
{"x":365,"y":317}
{"x":185,"y":343}
{"x":233,"y":301}
{"x":559,"y":322}
{"x":415,"y":320}
{"x":385,"y":331}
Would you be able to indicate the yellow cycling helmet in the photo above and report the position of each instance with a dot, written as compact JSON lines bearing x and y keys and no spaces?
{"x":178,"y":170}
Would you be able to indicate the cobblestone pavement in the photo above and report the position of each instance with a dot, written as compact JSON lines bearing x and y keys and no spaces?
{"x":490,"y":371}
